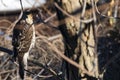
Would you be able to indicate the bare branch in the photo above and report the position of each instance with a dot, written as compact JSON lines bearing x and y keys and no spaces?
{"x":70,"y":16}
{"x":68,"y":59}
{"x":6,"y":50}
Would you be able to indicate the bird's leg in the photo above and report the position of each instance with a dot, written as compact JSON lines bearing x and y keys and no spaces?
{"x":25,"y":62}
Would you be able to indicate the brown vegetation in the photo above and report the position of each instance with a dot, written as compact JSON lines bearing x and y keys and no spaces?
{"x":45,"y":60}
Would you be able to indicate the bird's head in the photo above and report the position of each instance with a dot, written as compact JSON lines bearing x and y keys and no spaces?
{"x":28,"y":18}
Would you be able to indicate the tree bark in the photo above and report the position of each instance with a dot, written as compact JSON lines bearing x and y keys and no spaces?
{"x":79,"y":40}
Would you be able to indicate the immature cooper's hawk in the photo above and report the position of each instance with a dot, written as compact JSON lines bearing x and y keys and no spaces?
{"x":23,"y":40}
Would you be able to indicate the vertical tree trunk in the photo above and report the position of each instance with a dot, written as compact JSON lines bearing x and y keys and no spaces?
{"x":79,"y":40}
{"x":88,"y":57}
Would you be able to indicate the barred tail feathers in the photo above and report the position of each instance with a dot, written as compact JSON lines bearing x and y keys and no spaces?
{"x":21,"y":69}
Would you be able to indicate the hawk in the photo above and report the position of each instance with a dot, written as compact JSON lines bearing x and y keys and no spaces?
{"x":23,"y":40}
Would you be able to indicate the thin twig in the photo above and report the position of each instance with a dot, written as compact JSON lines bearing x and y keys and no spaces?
{"x":84,"y":8}
{"x":7,"y":76}
{"x":8,"y":71}
{"x":110,"y":17}
{"x":42,"y":76}
{"x":45,"y":67}
{"x":70,"y":16}
{"x":42,"y":70}
{"x":4,"y":20}
{"x":46,"y":20}
{"x":116,"y":8}
{"x":16,"y":21}
{"x":54,"y":37}
{"x":6,"y":60}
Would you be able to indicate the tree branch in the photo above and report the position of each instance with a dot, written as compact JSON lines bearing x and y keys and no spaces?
{"x":10,"y":52}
